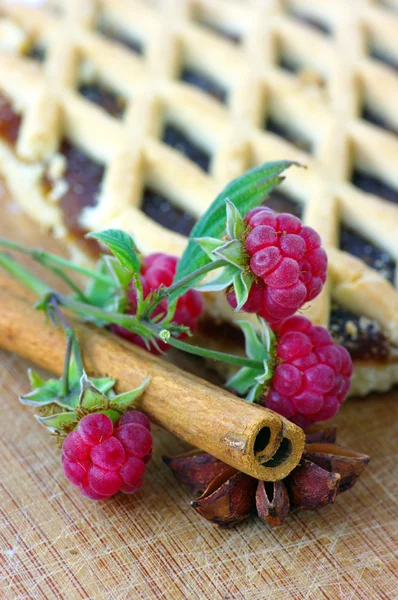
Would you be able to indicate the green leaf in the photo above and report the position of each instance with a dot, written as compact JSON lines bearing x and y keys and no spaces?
{"x":222,"y":281}
{"x":123,"y":402}
{"x":121,"y":245}
{"x":35,"y":380}
{"x":233,"y":252}
{"x":48,"y":393}
{"x":208,"y":245}
{"x":242,"y":284}
{"x":265,"y":375}
{"x":243,"y":380}
{"x":105,"y":296}
{"x":253,"y":345}
{"x":57,"y":422}
{"x":114,"y":415}
{"x":98,"y":292}
{"x":104,"y":385}
{"x":254,"y":393}
{"x":267,"y":335}
{"x":245,"y":193}
{"x":235,"y":224}
{"x":90,"y":396}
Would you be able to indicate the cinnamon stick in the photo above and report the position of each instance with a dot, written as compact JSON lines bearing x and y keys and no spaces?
{"x":248,"y":437}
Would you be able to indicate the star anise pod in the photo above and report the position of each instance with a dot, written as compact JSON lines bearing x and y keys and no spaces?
{"x":229,"y":496}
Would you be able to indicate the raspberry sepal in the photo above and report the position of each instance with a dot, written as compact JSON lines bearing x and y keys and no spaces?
{"x":260,"y":346}
{"x":62,"y":403}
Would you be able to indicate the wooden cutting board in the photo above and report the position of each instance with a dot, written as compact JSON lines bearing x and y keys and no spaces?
{"x":54,"y":544}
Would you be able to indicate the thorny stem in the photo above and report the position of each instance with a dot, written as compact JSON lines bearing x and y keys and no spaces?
{"x":47,"y":260}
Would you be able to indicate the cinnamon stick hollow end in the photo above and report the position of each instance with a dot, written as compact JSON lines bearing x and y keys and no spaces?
{"x":248,"y":437}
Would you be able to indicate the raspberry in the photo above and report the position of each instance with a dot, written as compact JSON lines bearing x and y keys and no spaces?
{"x":102,"y":459}
{"x":288,"y":262}
{"x":312,"y":376}
{"x":159,"y":269}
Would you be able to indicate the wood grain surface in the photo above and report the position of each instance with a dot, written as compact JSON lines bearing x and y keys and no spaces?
{"x":54,"y":544}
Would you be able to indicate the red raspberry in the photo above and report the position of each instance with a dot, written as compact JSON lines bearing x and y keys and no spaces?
{"x":159,"y":269}
{"x":312,"y":376}
{"x":102,"y":459}
{"x":288,"y":262}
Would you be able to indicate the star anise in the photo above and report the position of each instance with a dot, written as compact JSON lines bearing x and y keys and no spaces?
{"x":229,"y":496}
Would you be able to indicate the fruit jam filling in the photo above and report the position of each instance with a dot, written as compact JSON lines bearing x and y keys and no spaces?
{"x":162,"y":211}
{"x":177,"y":139}
{"x":83,"y":176}
{"x":205,"y":83}
{"x":10,"y":122}
{"x":112,"y":103}
{"x":117,"y":36}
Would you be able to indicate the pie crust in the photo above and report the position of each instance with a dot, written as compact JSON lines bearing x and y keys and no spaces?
{"x":116,"y":94}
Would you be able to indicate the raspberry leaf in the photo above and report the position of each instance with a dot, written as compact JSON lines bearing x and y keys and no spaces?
{"x":59,"y":422}
{"x":100,"y":293}
{"x":233,"y":252}
{"x":259,"y":345}
{"x":245,"y":193}
{"x":35,"y":380}
{"x":253,"y":346}
{"x":209,"y":245}
{"x":223,"y":280}
{"x":242,"y":284}
{"x":242,"y":381}
{"x":90,"y":396}
{"x":48,"y":393}
{"x":121,"y":245}
{"x":235,"y":225}
{"x":123,"y":402}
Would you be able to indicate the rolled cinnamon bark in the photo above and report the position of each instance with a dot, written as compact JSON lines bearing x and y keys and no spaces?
{"x":248,"y":437}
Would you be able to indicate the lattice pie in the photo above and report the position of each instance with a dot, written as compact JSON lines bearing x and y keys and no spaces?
{"x":134,"y":114}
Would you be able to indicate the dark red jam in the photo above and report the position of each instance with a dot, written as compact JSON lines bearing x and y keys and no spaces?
{"x":83,"y":176}
{"x":177,"y":139}
{"x":117,"y":36}
{"x":10,"y":122}
{"x":112,"y":103}
{"x":163,"y":212}
{"x":205,"y":83}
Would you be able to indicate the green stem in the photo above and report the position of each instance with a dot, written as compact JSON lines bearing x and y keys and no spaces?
{"x":47,"y":259}
{"x":144,"y":329}
{"x":181,"y":285}
{"x":129,"y":322}
{"x":23,"y":275}
{"x":62,"y":275}
{"x":232,"y":359}
{"x":216,"y":264}
{"x":65,"y":372}
{"x":54,"y":306}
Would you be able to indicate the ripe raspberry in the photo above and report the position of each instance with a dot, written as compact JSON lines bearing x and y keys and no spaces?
{"x":102,"y":459}
{"x":313,"y":374}
{"x":159,"y":269}
{"x":288,"y":262}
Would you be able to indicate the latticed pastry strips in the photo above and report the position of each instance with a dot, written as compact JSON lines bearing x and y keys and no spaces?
{"x":133,"y":114}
